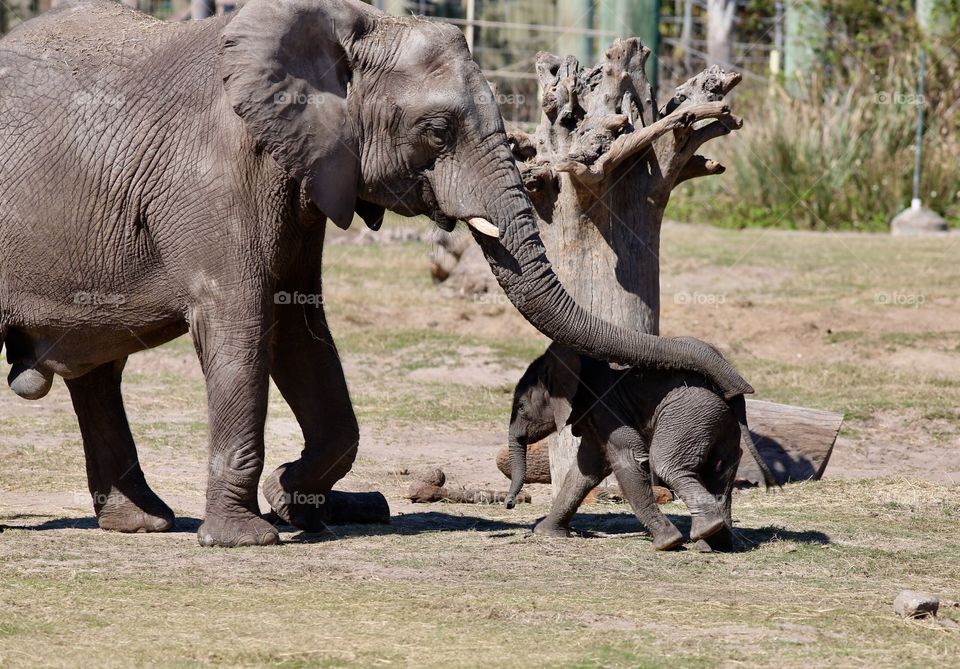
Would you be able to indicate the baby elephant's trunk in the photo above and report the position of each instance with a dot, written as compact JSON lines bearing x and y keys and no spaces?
{"x":518,"y":469}
{"x":739,"y":406}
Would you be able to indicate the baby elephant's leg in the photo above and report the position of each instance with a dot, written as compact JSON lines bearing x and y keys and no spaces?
{"x":588,"y":472}
{"x":680,"y":446}
{"x":719,"y":475}
{"x":634,"y":479}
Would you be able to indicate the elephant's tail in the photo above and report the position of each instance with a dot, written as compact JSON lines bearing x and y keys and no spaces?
{"x":739,"y":406}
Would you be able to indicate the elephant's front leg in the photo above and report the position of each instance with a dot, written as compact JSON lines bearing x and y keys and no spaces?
{"x":307,"y":370}
{"x":233,"y":350}
{"x":122,"y":499}
{"x":590,"y":470}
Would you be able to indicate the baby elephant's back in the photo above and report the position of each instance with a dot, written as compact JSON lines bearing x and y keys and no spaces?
{"x":684,"y":402}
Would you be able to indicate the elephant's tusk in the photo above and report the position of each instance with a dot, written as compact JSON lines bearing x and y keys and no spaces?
{"x":484,"y":227}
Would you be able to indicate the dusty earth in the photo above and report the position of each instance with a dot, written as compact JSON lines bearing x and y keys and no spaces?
{"x":735,"y":306}
{"x":863,"y":325}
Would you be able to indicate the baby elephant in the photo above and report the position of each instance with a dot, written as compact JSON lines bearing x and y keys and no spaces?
{"x":633,"y":421}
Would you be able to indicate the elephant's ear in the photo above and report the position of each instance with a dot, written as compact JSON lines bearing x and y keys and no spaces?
{"x":564,"y":370}
{"x":286,"y":67}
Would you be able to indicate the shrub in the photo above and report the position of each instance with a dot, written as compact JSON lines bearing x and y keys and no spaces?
{"x":838,"y":157}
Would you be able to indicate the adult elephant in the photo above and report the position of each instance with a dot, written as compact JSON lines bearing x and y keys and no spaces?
{"x":159,"y":178}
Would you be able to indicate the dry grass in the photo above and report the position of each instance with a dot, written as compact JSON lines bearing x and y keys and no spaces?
{"x":444,"y":585}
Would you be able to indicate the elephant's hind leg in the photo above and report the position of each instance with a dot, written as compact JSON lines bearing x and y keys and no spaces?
{"x":633,"y":475}
{"x":678,"y":459}
{"x":122,"y":499}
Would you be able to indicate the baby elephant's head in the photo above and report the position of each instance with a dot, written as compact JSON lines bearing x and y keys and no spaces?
{"x":541,"y":406}
{"x":531,"y":413}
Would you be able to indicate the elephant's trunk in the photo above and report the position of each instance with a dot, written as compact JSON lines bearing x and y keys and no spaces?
{"x":520,"y":264}
{"x":518,"y":469}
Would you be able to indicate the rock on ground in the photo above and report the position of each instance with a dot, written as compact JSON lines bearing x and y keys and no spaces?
{"x":913,"y":604}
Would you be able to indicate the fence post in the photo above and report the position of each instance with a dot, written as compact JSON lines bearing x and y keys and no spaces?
{"x":806,"y":39}
{"x":575,"y":16}
{"x":201,"y":9}
{"x":395,"y":7}
{"x":471,"y":28}
{"x":635,"y":18}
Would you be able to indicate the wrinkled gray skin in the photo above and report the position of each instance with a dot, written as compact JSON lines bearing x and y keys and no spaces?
{"x":632,"y":421}
{"x":162,"y":178}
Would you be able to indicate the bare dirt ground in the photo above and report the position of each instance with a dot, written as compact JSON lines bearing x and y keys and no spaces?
{"x":865,"y":325}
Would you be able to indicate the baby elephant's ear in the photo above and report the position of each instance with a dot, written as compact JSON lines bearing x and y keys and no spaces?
{"x":563,"y":368}
{"x":286,"y":67}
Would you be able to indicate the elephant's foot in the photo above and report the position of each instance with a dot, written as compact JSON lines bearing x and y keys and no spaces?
{"x":141,"y":511}
{"x":313,"y":511}
{"x":551,"y":528}
{"x":667,"y":538}
{"x":706,"y":525}
{"x":237,"y":528}
{"x":721,"y":542}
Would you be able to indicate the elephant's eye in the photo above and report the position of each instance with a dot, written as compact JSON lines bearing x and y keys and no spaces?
{"x":438,"y":137}
{"x":438,"y":134}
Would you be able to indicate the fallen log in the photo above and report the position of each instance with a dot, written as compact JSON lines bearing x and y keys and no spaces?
{"x":428,"y":486}
{"x":795,"y":443}
{"x":538,"y":463}
{"x":458,"y":264}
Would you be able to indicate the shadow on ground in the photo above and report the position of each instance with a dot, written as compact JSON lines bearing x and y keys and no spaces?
{"x":32,"y":523}
{"x":746,"y":538}
{"x":588,"y":525}
{"x":422,"y":522}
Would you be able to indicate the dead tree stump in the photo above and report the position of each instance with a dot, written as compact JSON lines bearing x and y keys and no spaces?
{"x":600,"y":169}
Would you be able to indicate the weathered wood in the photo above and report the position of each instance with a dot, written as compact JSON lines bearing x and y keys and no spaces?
{"x":422,"y":492}
{"x":428,"y":486}
{"x":600,"y":169}
{"x":795,"y":443}
{"x":364,"y":508}
{"x":538,"y":463}
{"x":458,"y":263}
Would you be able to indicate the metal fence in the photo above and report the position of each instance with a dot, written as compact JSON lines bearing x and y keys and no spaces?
{"x":506,"y":35}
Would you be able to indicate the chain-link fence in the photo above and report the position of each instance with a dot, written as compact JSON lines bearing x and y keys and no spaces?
{"x":506,"y":35}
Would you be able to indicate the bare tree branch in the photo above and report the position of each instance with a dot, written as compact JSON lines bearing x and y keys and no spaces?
{"x":630,"y":145}
{"x":697,"y":167}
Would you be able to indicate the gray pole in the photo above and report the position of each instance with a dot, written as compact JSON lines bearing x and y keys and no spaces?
{"x":806,"y":37}
{"x":201,"y":9}
{"x":471,"y":28}
{"x":918,"y":165}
